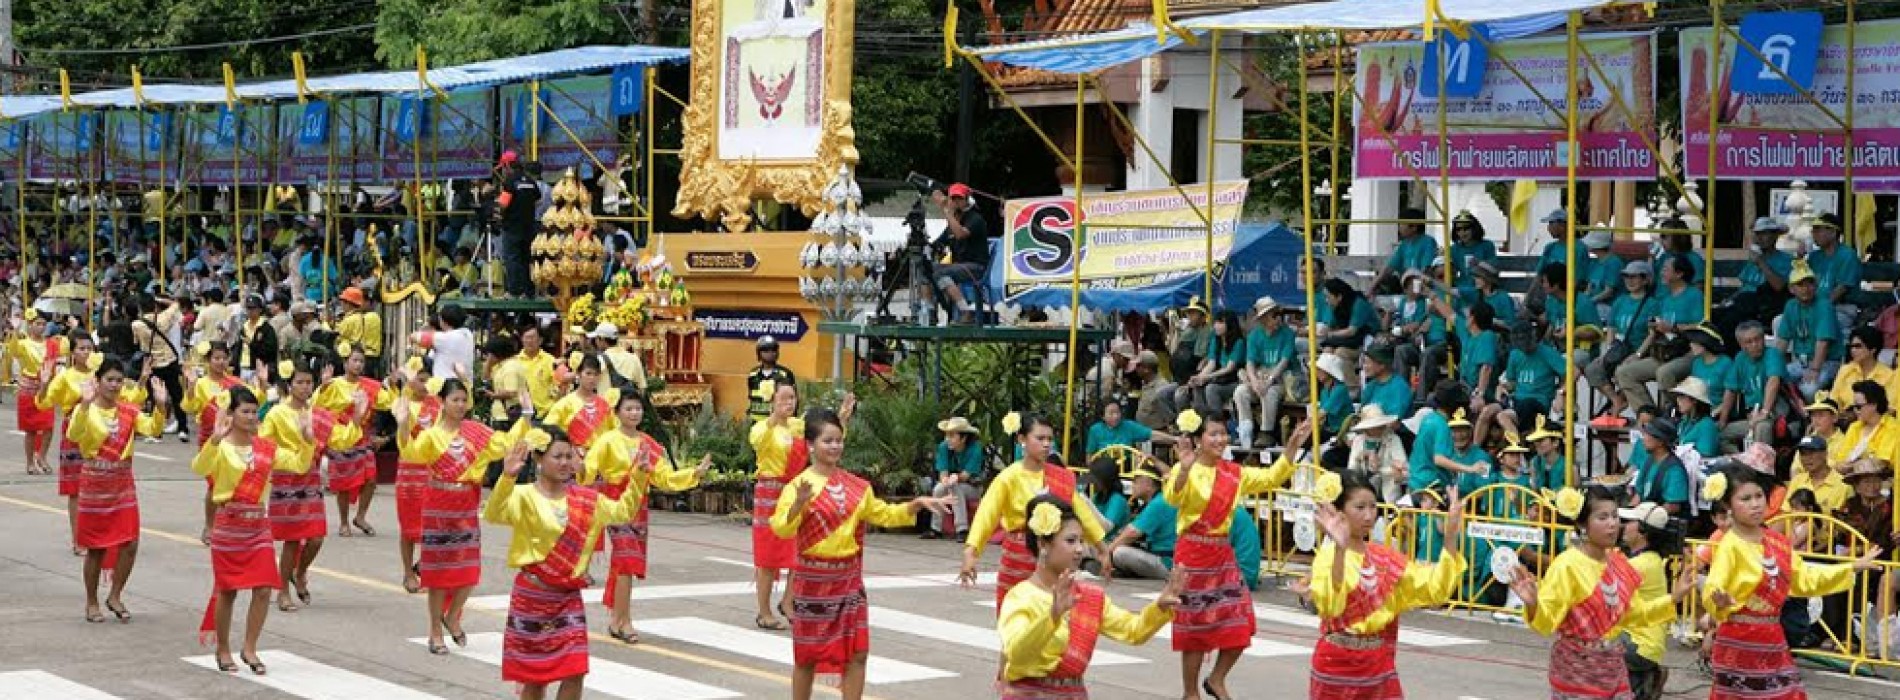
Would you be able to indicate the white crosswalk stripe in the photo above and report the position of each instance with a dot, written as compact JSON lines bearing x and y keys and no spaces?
{"x":776,"y":648}
{"x":1296,"y":618}
{"x":41,"y":685}
{"x":983,"y":638}
{"x":311,"y":680}
{"x":698,"y":591}
{"x":603,"y":677}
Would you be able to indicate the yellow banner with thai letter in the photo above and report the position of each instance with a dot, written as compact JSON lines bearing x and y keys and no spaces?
{"x":1130,"y":240}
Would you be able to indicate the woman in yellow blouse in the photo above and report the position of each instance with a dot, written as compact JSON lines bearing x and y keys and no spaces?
{"x":297,"y":426}
{"x":354,"y":398}
{"x":1589,"y":598}
{"x":203,"y":395}
{"x":825,"y":520}
{"x":1873,"y":431}
{"x":1361,"y":587}
{"x":239,"y":463}
{"x":457,"y":451}
{"x":1216,"y":613}
{"x":1050,"y":622}
{"x":621,"y":461}
{"x":103,"y":425}
{"x":1006,"y":501}
{"x":1752,"y":573}
{"x":32,"y":355}
{"x":60,"y":395}
{"x":1647,"y":540}
{"x":585,"y":413}
{"x":416,"y":408}
{"x":556,"y":527}
{"x":773,"y":442}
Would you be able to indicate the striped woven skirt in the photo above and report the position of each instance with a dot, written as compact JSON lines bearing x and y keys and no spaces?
{"x":451,"y":536}
{"x":243,"y":556}
{"x":70,"y":462}
{"x":1583,"y":669}
{"x":1751,"y":661}
{"x":412,"y":488}
{"x":1344,"y":670}
{"x":296,"y":507}
{"x":769,"y":551}
{"x":1017,"y":565}
{"x":546,"y":638}
{"x":108,"y":513}
{"x":352,"y":468}
{"x":1045,"y":689}
{"x":32,"y":418}
{"x":1216,"y":610}
{"x":830,"y":612}
{"x":629,"y":554}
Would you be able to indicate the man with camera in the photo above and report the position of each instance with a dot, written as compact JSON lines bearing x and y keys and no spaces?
{"x":967,"y":235}
{"x":517,"y":208}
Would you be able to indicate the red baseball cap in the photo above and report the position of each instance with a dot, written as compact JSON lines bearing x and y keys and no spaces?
{"x":959,"y":190}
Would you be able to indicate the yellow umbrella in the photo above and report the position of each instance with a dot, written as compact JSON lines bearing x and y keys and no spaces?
{"x":69,"y":290}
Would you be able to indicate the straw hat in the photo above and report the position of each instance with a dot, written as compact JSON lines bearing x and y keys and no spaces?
{"x":1823,"y":403}
{"x":1331,"y":364}
{"x":1371,"y":416}
{"x":1866,"y":466}
{"x":956,"y":424}
{"x":1265,"y":305}
{"x":1693,"y":387}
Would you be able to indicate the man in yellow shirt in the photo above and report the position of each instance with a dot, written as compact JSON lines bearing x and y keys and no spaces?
{"x":1863,"y":364}
{"x":362,"y":327}
{"x":1830,"y":490}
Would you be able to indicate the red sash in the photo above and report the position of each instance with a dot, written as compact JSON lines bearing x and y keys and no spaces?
{"x":1059,"y":482}
{"x":1773,"y":589}
{"x":588,"y":420}
{"x":119,"y":443}
{"x":322,"y":426}
{"x":256,"y":480}
{"x":209,"y":414}
{"x":372,"y":389}
{"x":796,"y":459}
{"x":426,"y":414}
{"x":1220,"y":503}
{"x":570,"y":551}
{"x":1085,"y":626}
{"x":52,"y":351}
{"x":826,"y":514}
{"x":1384,"y":569}
{"x":455,"y":462}
{"x":1597,"y":614}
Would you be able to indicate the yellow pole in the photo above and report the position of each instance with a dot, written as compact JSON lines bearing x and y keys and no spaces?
{"x":1213,"y":142}
{"x":1075,"y":263}
{"x":1847,"y":148}
{"x":534,"y":120}
{"x":329,"y":187}
{"x":1569,"y":244}
{"x":1715,"y":126}
{"x":1444,"y":167}
{"x":237,"y":194}
{"x":653,"y":223}
{"x":19,"y":213}
{"x":1306,"y":229}
{"x":92,"y":226}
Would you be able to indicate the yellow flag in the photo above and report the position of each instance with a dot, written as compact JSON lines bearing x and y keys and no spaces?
{"x":1521,"y":193}
{"x":296,"y":66}
{"x":950,"y":36}
{"x":1865,"y":228}
{"x":138,"y":86}
{"x":65,"y":90}
{"x":230,"y":87}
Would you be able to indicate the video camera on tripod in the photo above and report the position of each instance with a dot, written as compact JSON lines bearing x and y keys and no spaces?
{"x":915,"y":264}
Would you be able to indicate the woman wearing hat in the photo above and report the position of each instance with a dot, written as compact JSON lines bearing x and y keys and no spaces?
{"x":1264,"y":379}
{"x":362,"y":327}
{"x":1469,"y":248}
{"x":960,"y":465}
{"x":1873,"y":432}
{"x":1706,"y":362}
{"x":1485,"y":280}
{"x":1547,"y":465}
{"x":1869,"y":514}
{"x":34,"y":356}
{"x":1662,"y":477}
{"x":1335,"y":402}
{"x":1763,"y":279}
{"x":1695,"y":427}
{"x":1824,"y":422}
{"x":1375,"y":451}
{"x":1354,"y":321}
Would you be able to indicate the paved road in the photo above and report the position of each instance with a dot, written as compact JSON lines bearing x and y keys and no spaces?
{"x":361,"y":638}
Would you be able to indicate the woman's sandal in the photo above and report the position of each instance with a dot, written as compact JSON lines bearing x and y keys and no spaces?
{"x":625,"y":635}
{"x":95,"y":616}
{"x":227,"y":666}
{"x":768,"y":623}
{"x":303,"y":588}
{"x":257,"y":665}
{"x":367,"y":530}
{"x":124,"y":615}
{"x":438,"y":649}
{"x":284,"y":604}
{"x":460,"y":638}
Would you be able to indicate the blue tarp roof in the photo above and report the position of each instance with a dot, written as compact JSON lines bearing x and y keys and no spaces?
{"x":1508,"y":19}
{"x":481,"y":74}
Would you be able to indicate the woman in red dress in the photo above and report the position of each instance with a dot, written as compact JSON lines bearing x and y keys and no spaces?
{"x":774,"y":440}
{"x":457,"y":451}
{"x":243,"y":557}
{"x":416,"y":410}
{"x":60,"y":393}
{"x":355,"y":399}
{"x":104,"y":427}
{"x":296,"y":498}
{"x":625,"y":459}
{"x":33,"y":355}
{"x":204,"y":395}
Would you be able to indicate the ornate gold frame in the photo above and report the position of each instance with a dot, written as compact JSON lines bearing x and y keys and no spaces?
{"x":720,"y":189}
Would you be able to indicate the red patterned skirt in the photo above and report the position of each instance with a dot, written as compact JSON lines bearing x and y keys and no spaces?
{"x":1017,"y":565}
{"x":412,"y":488}
{"x":351,"y":469}
{"x":70,"y":462}
{"x":1588,"y":670}
{"x":1216,"y":610}
{"x":296,"y":507}
{"x":1356,"y":667}
{"x":546,"y":638}
{"x":1751,"y":661}
{"x":32,"y":418}
{"x":243,"y":557}
{"x":769,"y":551}
{"x":108,"y":505}
{"x":451,"y":536}
{"x":629,"y":554}
{"x":830,"y":612}
{"x":1045,"y":689}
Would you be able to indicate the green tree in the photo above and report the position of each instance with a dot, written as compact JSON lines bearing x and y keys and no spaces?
{"x":460,"y":31}
{"x":48,"y":30}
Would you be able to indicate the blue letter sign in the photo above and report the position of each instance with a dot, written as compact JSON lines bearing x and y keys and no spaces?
{"x":1791,"y":43}
{"x":314,"y":130}
{"x":629,"y":86}
{"x":1464,"y":64}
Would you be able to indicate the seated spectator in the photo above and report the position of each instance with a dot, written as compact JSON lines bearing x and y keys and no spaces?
{"x":1355,"y":321}
{"x":1555,"y":313}
{"x":1605,"y":282}
{"x":1764,"y":280}
{"x":1104,"y":488}
{"x":1809,"y":334}
{"x":1863,"y":364}
{"x":1557,"y":224}
{"x":1155,"y":408}
{"x":1376,"y":452}
{"x":1664,"y":355}
{"x":959,"y":470}
{"x":1419,"y":332}
{"x":1694,"y":426}
{"x":1414,"y":250}
{"x":1532,"y":375}
{"x":1547,"y":466}
{"x":1874,"y":431}
{"x":1464,"y":457}
{"x":1390,"y":392}
{"x":1626,"y":332}
{"x":1335,"y":404}
{"x":1706,"y":362}
{"x":1662,"y":477}
{"x":1469,"y":247}
{"x":1824,"y":422}
{"x":1108,"y":375}
{"x":1752,"y":399}
{"x":1189,"y":346}
{"x":1264,"y":377}
{"x":1837,"y":269}
{"x":1813,"y":473}
{"x":1679,"y":246}
{"x":1869,"y":514}
{"x":1481,"y":357}
{"x":1433,"y":443}
{"x":1112,"y":430}
{"x":1485,"y":280}
{"x":1212,"y":385}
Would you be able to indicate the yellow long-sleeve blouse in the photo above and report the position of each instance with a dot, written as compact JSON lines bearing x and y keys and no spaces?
{"x":1422,"y":585}
{"x":538,"y":521}
{"x":1884,"y":443}
{"x":284,"y":426}
{"x":538,"y":373}
{"x":62,"y":394}
{"x":510,"y":377}
{"x":28,"y":355}
{"x":429,"y":445}
{"x":772,"y":444}
{"x":1192,"y":496}
{"x":1736,"y":568}
{"x":612,"y":458}
{"x":564,"y":411}
{"x":843,"y":541}
{"x":1649,"y":638}
{"x":1573,"y":577}
{"x":88,"y":427}
{"x":1006,"y":501}
{"x":226,"y":463}
{"x":1034,"y":642}
{"x":363,"y":329}
{"x":340,"y":394}
{"x":203,"y":393}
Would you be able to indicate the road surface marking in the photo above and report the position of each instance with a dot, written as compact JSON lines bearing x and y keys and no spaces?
{"x":698,"y":591}
{"x":1264,"y":648}
{"x":983,"y":638}
{"x":776,"y":648}
{"x":41,"y":685}
{"x":311,"y":680}
{"x":733,"y":562}
{"x":605,"y":677}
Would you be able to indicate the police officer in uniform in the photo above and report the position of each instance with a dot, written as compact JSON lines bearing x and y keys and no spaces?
{"x":768,"y":370}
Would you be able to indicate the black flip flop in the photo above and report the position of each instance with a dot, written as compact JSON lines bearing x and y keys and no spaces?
{"x":257,"y":666}
{"x":124,"y":615}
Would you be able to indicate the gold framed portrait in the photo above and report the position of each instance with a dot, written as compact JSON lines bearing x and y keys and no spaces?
{"x":770,"y":112}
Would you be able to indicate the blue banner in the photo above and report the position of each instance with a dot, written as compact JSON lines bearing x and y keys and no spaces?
{"x":1462,"y":59}
{"x":1791,"y":41}
{"x":1265,"y":262}
{"x":630,"y":90}
{"x":314,"y":128}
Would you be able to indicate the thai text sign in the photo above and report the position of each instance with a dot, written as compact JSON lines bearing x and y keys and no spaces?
{"x":1500,"y":532}
{"x":1507,"y":131}
{"x":1133,"y":239}
{"x":1788,"y":137}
